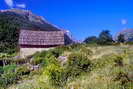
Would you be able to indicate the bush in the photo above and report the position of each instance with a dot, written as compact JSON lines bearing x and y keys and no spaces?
{"x":77,"y":63}
{"x":8,"y":75}
{"x":56,"y":52}
{"x":45,"y":55}
{"x":2,"y":83}
{"x":9,"y":78}
{"x":122,"y":77}
{"x":53,"y":73}
{"x":76,"y":47}
{"x":86,"y":51}
{"x":105,"y":60}
{"x":91,"y":40}
{"x":118,"y":61}
{"x":65,"y":48}
{"x":22,"y":70}
{"x":1,"y":70}
{"x":38,"y":58}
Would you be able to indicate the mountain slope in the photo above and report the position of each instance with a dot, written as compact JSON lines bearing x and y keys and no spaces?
{"x":128,"y":33}
{"x":12,"y":20}
{"x":28,"y":20}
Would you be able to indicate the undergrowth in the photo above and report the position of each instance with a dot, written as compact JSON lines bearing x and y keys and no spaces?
{"x":81,"y":70}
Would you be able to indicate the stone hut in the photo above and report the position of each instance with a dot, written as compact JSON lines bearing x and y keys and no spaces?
{"x":31,"y":41}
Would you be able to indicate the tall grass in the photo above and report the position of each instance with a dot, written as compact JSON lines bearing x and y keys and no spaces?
{"x":87,"y":67}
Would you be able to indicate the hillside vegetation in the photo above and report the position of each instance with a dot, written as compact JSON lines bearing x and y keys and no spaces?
{"x":11,"y":21}
{"x":74,"y":67}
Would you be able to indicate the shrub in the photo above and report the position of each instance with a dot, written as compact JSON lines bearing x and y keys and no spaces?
{"x":118,"y":61}
{"x":123,"y":78}
{"x":86,"y":51}
{"x":56,"y":52}
{"x":22,"y":70}
{"x":9,"y":78}
{"x":77,"y":63}
{"x":2,"y":83}
{"x":45,"y":55}
{"x":65,"y":48}
{"x":50,"y":60}
{"x":76,"y":47}
{"x":9,"y":68}
{"x":112,"y":59}
{"x":38,"y":58}
{"x":53,"y":73}
{"x":8,"y":75}
{"x":91,"y":40}
{"x":1,"y":70}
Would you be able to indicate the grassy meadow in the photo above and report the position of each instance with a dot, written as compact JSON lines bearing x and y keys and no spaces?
{"x":83,"y":67}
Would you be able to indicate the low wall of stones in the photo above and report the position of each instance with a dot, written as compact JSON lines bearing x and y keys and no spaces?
{"x":24,"y":52}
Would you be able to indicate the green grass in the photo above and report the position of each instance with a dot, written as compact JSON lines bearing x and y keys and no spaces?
{"x":111,"y":68}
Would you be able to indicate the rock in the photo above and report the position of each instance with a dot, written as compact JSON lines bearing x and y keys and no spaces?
{"x":62,"y":59}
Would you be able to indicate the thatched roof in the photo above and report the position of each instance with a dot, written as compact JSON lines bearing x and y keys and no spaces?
{"x":28,"y":37}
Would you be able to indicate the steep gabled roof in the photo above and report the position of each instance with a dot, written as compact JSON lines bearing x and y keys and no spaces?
{"x":28,"y":37}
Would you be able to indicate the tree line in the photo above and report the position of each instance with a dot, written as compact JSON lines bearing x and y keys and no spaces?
{"x":105,"y":38}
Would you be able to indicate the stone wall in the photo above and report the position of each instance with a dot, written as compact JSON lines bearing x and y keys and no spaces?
{"x":24,"y":52}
